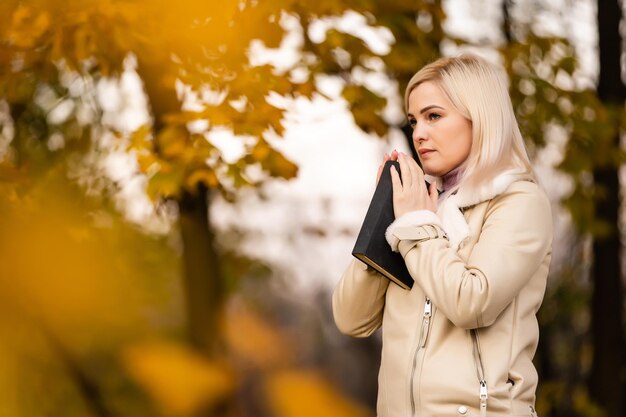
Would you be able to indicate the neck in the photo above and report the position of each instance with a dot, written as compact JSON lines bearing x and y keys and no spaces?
{"x":451,"y":179}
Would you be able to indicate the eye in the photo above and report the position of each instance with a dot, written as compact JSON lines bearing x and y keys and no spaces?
{"x":412,"y":122}
{"x":433,"y":116}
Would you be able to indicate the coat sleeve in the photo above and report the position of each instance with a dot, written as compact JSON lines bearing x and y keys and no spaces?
{"x":516,"y":237}
{"x":358,"y":300}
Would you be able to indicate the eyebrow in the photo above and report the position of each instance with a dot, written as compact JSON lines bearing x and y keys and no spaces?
{"x":425,"y":109}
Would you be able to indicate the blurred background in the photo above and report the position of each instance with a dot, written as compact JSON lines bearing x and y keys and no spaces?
{"x":181,"y":184}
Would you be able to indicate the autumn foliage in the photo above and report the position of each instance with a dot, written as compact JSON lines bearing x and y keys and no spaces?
{"x":104,"y":317}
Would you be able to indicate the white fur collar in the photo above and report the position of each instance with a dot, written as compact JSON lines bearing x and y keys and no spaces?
{"x":467,"y":197}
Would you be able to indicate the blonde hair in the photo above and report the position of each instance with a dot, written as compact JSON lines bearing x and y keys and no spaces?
{"x":478,"y":90}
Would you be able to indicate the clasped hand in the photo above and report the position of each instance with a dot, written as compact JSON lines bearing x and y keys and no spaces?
{"x":409,"y":187}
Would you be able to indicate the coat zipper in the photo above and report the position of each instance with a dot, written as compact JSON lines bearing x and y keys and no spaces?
{"x":480,"y":373}
{"x":428,"y":312}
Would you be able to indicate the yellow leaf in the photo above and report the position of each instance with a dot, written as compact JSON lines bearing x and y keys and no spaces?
{"x":27,"y":27}
{"x":140,"y":138}
{"x":254,"y":341}
{"x":294,"y":393}
{"x":182,"y":117}
{"x":57,"y":266}
{"x":278,"y":166}
{"x":146,"y":162}
{"x":172,"y":141}
{"x":206,"y":176}
{"x":178,"y":379}
{"x":305,"y":89}
{"x":166,"y":182}
{"x":261,"y":151}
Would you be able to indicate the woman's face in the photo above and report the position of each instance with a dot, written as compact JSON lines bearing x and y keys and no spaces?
{"x":441,"y":135}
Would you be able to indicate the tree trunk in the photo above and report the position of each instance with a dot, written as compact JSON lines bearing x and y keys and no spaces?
{"x":203,"y":281}
{"x":202,"y":278}
{"x":606,"y":381}
{"x":606,"y":303}
{"x":506,"y":21}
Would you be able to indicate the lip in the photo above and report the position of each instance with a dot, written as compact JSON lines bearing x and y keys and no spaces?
{"x":425,"y":151}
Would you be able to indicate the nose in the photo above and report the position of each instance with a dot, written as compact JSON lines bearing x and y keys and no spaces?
{"x":420,"y":133}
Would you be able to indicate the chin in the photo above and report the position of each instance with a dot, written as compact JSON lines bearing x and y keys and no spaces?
{"x":433,"y":172}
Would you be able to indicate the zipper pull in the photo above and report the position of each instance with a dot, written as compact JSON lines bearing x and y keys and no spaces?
{"x":428,"y":308}
{"x":428,"y":312}
{"x":483,"y":390}
{"x":483,"y":398}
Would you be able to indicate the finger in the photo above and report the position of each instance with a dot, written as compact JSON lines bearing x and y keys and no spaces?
{"x":396,"y":190}
{"x":394,"y":155}
{"x":420,"y":173}
{"x":405,"y":172}
{"x":395,"y":181}
{"x":413,"y":170}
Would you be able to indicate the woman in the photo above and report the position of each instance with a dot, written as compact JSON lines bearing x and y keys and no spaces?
{"x":461,"y":341}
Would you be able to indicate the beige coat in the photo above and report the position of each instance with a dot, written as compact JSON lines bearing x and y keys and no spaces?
{"x":494,"y":281}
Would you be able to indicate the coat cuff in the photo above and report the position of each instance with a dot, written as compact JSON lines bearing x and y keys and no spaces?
{"x":410,"y":219}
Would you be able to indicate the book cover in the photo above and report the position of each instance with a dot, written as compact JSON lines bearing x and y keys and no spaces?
{"x":371,"y":247}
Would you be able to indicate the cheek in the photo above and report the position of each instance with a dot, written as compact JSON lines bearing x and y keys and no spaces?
{"x":464,"y":140}
{"x":467,"y":145}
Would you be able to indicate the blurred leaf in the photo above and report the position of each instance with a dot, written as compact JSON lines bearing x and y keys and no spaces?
{"x":27,"y":27}
{"x":75,"y":265}
{"x":166,"y":183}
{"x":178,"y":379}
{"x":205,"y":176}
{"x":366,"y":107}
{"x":254,"y":341}
{"x":294,"y":393}
{"x":271,"y":160}
{"x":147,"y":161}
{"x":172,"y":141}
{"x":278,"y":166}
{"x":140,"y":138}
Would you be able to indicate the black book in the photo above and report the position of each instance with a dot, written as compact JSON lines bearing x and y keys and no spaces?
{"x":371,"y":245}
